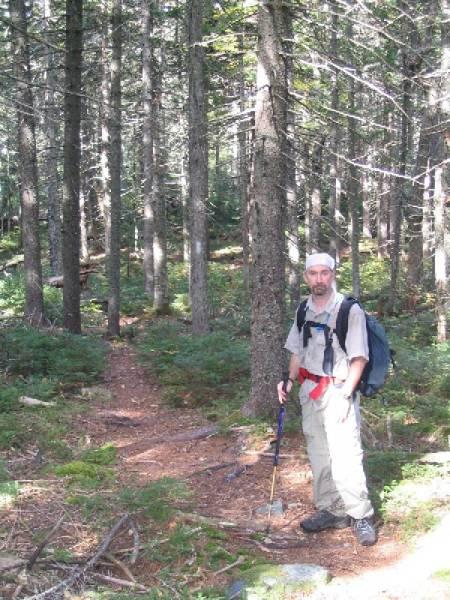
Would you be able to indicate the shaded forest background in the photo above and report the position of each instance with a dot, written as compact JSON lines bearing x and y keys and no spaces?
{"x":148,"y":129}
{"x":164,"y":169}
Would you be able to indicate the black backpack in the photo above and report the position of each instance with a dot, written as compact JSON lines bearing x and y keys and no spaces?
{"x":376,"y":370}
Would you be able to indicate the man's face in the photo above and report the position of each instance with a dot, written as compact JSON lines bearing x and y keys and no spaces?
{"x":319,"y":279}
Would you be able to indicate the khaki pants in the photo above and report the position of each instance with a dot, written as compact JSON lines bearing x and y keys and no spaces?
{"x":336,"y":455}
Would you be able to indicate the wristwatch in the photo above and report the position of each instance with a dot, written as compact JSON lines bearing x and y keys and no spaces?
{"x":348,"y":397}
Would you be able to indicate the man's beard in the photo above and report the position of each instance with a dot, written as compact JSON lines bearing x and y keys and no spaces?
{"x":320,"y":290}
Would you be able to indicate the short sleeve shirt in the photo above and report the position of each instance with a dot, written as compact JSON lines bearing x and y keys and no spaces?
{"x":311,"y":357}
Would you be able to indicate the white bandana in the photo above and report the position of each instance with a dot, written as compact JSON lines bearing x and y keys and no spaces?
{"x":320,"y":258}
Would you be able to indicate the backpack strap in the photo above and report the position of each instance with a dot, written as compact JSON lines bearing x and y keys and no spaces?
{"x":301,"y":315}
{"x":342,"y":319}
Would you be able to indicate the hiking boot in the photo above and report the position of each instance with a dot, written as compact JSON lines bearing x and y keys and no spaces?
{"x":323,"y":519}
{"x":365,"y":532}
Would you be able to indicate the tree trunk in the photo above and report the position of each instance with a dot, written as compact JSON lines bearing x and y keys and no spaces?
{"x":268,"y":212}
{"x":51,"y":152}
{"x":71,"y":178}
{"x":198,"y":170}
{"x":27,"y":167}
{"x":147,"y":146}
{"x":243,"y":170}
{"x":401,"y":192}
{"x":161,"y":287}
{"x":293,"y":238}
{"x":316,"y":197}
{"x":441,"y":183}
{"x":383,"y":208}
{"x":105,"y":176}
{"x":186,"y":213}
{"x":353,"y":184}
{"x":113,"y":244}
{"x":335,"y":135}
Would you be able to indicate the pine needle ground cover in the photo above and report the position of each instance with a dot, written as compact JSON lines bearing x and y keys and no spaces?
{"x":408,"y":419}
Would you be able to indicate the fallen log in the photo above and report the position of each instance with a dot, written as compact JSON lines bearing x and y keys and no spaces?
{"x":57,"y":281}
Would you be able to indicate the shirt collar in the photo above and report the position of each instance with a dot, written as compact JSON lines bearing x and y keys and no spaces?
{"x":334,"y":299}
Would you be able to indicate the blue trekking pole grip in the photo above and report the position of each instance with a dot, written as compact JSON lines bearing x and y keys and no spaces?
{"x":281,"y":412}
{"x":276,"y":458}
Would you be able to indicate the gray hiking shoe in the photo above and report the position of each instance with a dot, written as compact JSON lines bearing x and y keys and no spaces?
{"x":364,"y":531}
{"x":323,"y":519}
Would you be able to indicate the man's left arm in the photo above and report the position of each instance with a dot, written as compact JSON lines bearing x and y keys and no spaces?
{"x":358,"y":355}
{"x":355,"y":371}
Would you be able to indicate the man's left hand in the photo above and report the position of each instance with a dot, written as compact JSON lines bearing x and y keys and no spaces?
{"x":342,"y":403}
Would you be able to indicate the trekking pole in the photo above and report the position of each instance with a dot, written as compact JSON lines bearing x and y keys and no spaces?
{"x":276,"y":456}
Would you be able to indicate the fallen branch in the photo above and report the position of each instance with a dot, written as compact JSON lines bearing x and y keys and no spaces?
{"x":27,"y":401}
{"x":20,"y":562}
{"x":185,"y":436}
{"x":267,"y":454}
{"x":122,"y":582}
{"x":211,"y":521}
{"x":237,"y":562}
{"x":118,"y":563}
{"x":212,"y":468}
{"x":136,"y":542}
{"x":33,"y":558}
{"x":54,"y":591}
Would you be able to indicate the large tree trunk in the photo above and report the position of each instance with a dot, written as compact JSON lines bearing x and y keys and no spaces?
{"x":267,"y":212}
{"x":71,"y":186}
{"x":27,"y":167}
{"x":198,"y":170}
{"x":116,"y":165}
{"x":147,"y":146}
{"x":51,"y":152}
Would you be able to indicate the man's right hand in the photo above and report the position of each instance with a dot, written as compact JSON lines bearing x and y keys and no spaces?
{"x":283,"y":390}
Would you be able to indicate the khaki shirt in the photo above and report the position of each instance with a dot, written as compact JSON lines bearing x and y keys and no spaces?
{"x":311,"y":357}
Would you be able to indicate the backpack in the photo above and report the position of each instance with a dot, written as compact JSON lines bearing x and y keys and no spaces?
{"x":381,"y":356}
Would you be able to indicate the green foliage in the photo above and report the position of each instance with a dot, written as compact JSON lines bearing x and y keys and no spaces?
{"x":190,"y":365}
{"x":375,"y":276}
{"x":9,"y":245}
{"x":69,"y":359}
{"x":106,"y":455}
{"x":160,"y":593}
{"x":42,"y":365}
{"x":156,"y":499}
{"x":86,"y":474}
{"x":405,"y":491}
{"x":8,"y":492}
{"x":442,"y":575}
{"x":33,"y":386}
{"x":4,"y":475}
{"x":12,"y":294}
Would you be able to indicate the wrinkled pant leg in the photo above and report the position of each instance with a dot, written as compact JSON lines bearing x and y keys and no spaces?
{"x":344,"y":442}
{"x":325,"y":493}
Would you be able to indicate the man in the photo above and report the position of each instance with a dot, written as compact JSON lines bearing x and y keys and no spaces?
{"x":330,"y":406}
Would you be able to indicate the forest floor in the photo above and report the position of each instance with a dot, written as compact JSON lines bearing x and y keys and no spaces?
{"x":154,"y":442}
{"x":230,"y":477}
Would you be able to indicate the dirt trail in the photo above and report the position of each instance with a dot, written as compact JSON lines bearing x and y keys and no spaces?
{"x":154,"y":441}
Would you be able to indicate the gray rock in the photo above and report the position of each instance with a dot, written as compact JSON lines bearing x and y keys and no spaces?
{"x":278,"y":582}
{"x":277,"y":509}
